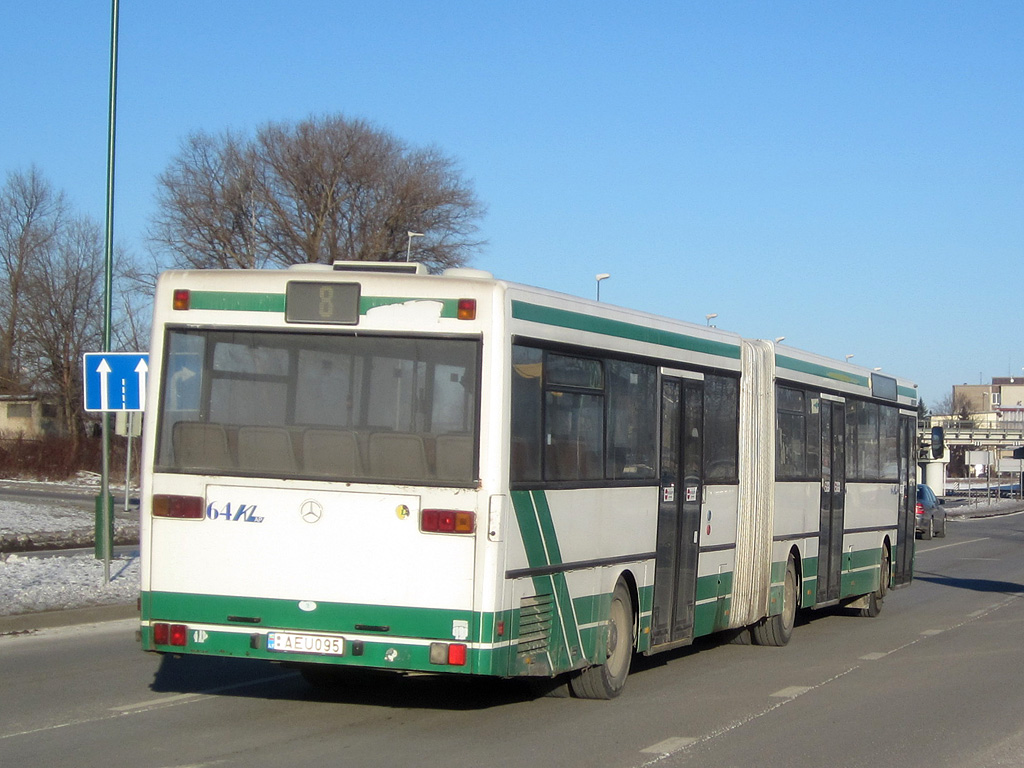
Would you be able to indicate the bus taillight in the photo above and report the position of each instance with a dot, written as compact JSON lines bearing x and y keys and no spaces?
{"x":453,"y":654}
{"x":178,"y":507}
{"x":467,"y":309}
{"x":182,"y":298}
{"x":447,"y":521}
{"x":170,"y":634}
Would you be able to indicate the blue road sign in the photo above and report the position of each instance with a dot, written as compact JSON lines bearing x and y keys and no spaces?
{"x":115,"y":381}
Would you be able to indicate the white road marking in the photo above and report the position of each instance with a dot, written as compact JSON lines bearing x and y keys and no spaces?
{"x":791,"y":692}
{"x":668,"y":746}
{"x":147,"y":706}
{"x":947,"y":546}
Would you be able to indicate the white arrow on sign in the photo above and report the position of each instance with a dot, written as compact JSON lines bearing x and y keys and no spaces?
{"x":142,"y":369}
{"x":104,"y":371}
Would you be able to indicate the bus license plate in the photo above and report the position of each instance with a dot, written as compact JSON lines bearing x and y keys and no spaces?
{"x":294,"y":642}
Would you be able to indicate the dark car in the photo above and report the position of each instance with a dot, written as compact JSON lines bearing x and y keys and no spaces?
{"x":931,"y":517}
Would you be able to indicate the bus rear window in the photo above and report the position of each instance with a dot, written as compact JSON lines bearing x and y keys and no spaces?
{"x":358,"y":408}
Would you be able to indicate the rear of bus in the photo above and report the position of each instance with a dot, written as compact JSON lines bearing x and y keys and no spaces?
{"x":312,"y":492}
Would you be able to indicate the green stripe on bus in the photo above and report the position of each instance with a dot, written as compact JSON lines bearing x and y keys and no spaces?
{"x":822,"y":371}
{"x":577,"y":321}
{"x":377,"y":653}
{"x":431,"y":623}
{"x":232,"y":301}
{"x":541,"y":543}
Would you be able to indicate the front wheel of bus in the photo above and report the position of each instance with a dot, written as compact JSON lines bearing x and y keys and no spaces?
{"x":606,"y":681}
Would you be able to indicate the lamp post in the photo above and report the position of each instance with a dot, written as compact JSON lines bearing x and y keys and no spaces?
{"x":408,"y":247}
{"x":848,"y":358}
{"x":709,"y":317}
{"x":599,"y":278}
{"x":105,"y":502}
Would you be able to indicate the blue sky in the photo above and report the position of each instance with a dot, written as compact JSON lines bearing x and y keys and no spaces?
{"x":847,"y":175}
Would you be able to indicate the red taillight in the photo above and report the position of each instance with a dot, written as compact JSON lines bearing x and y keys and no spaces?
{"x":161,"y":634}
{"x":178,"y":507}
{"x":170,"y":634}
{"x":447,"y":521}
{"x":182,"y":298}
{"x":467,"y":309}
{"x":457,"y":655}
{"x":919,"y":508}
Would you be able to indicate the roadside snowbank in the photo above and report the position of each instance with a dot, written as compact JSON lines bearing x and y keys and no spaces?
{"x":30,"y":583}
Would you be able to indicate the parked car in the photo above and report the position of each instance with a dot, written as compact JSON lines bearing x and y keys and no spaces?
{"x":931,"y":517}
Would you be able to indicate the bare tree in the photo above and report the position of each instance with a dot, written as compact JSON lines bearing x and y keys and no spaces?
{"x":953,"y":404}
{"x":207,"y":205}
{"x":31,"y":216}
{"x":320,"y":190}
{"x":62,"y":321}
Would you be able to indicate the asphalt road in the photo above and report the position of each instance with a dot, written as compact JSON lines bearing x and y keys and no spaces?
{"x":937,"y":680}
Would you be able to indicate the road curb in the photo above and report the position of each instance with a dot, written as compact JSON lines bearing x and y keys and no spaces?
{"x":30,"y":622}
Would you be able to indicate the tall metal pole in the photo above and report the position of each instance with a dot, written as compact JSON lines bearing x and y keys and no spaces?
{"x":104,"y":508}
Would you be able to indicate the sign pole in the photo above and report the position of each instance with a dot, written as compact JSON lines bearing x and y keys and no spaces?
{"x":104,"y":509}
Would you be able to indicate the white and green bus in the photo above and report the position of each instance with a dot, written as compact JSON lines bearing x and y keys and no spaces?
{"x":367,"y":466}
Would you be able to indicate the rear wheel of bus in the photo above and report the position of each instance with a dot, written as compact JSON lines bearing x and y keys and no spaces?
{"x":606,"y":681}
{"x":777,"y":630}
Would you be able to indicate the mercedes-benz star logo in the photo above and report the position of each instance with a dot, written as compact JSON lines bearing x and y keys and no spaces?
{"x":311,"y":511}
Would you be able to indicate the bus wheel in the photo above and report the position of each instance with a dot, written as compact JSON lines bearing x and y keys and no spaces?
{"x":606,"y":681}
{"x":776,"y":630}
{"x":874,"y":600}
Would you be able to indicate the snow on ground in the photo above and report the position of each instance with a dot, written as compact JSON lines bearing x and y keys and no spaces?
{"x":31,"y":583}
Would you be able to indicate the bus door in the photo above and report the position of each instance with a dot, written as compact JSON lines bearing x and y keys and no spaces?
{"x":833,"y":496}
{"x":679,"y":511}
{"x":904,"y":556}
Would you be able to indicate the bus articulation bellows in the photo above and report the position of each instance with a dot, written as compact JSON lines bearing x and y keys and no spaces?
{"x":354,"y":467}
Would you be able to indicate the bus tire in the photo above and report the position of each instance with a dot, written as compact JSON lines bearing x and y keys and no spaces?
{"x":778,"y":629}
{"x":606,"y":681}
{"x":874,"y":600}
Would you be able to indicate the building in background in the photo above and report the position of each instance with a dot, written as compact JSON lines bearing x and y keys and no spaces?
{"x":29,"y":416}
{"x":995,"y":404}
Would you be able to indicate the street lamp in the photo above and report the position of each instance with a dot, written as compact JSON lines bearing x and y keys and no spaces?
{"x":408,"y":248}
{"x":779,"y":339}
{"x":848,"y":358}
{"x":600,"y":277}
{"x":710,"y":317}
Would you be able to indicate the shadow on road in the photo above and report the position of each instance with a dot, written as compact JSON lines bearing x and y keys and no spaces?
{"x":253,"y":678}
{"x":975,"y":585}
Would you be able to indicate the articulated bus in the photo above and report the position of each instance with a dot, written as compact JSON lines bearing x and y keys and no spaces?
{"x":365,"y":466}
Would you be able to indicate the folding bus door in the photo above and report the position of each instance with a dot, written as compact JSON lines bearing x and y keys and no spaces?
{"x":904,"y":556}
{"x":833,"y":500}
{"x":679,"y":511}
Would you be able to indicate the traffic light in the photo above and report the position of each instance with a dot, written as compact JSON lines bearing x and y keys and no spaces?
{"x":938,"y":442}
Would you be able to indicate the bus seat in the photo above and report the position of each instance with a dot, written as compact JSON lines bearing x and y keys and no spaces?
{"x":332,"y":452}
{"x":398,"y":455}
{"x":454,"y":457}
{"x":199,"y":445}
{"x":267,"y":449}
